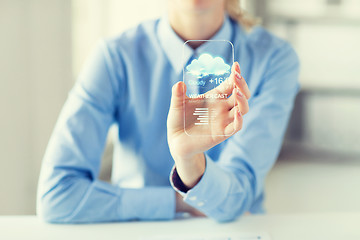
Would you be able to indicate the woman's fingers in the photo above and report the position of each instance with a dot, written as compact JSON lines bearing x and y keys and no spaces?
{"x":240,"y":81}
{"x":238,"y":98}
{"x":231,"y":101}
{"x":234,"y":119}
{"x":241,"y":102}
{"x":235,"y":125}
{"x":177,"y":98}
{"x":235,"y":80}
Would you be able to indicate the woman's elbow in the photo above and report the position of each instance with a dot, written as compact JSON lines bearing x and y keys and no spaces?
{"x":52,"y":211}
{"x":59,"y":204}
{"x":55,"y":208}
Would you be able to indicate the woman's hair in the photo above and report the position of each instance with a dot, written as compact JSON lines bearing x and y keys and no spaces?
{"x":235,"y":12}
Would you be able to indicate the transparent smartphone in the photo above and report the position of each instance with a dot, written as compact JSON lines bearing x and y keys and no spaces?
{"x":208,"y":88}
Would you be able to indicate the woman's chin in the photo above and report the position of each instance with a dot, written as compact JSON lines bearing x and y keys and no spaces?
{"x":198,"y":5}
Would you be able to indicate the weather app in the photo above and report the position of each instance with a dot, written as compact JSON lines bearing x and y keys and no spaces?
{"x":207,"y":65}
{"x":206,"y":78}
{"x":204,"y":74}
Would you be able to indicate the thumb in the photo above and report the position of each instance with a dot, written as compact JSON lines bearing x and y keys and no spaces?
{"x":178,"y":95}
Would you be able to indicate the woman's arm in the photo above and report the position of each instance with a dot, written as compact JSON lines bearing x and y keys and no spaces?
{"x":229,"y":187}
{"x":69,"y":190}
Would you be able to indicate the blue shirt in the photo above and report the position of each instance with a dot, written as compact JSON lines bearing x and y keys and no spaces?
{"x":127,"y":81}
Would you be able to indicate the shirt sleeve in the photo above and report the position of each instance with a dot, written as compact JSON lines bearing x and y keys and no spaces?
{"x":235,"y":182}
{"x":69,"y":190}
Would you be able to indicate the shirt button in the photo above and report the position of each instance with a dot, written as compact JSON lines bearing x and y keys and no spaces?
{"x":193,"y":198}
{"x":200,"y":204}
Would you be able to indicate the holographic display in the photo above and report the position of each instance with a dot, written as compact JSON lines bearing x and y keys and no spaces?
{"x":208,"y":88}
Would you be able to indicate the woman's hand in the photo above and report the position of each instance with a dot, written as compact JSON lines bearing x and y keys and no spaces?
{"x":186,"y":150}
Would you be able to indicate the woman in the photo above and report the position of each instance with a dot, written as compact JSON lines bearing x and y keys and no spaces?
{"x":128,"y":81}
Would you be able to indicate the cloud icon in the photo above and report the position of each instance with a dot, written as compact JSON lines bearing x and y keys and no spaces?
{"x":207,"y":65}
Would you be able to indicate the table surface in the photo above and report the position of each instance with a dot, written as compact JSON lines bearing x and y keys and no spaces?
{"x":339,"y":226}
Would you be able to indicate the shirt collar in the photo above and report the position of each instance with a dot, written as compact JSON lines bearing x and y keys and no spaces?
{"x":174,"y":48}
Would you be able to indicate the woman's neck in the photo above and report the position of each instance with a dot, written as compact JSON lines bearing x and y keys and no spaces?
{"x":195,"y":25}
